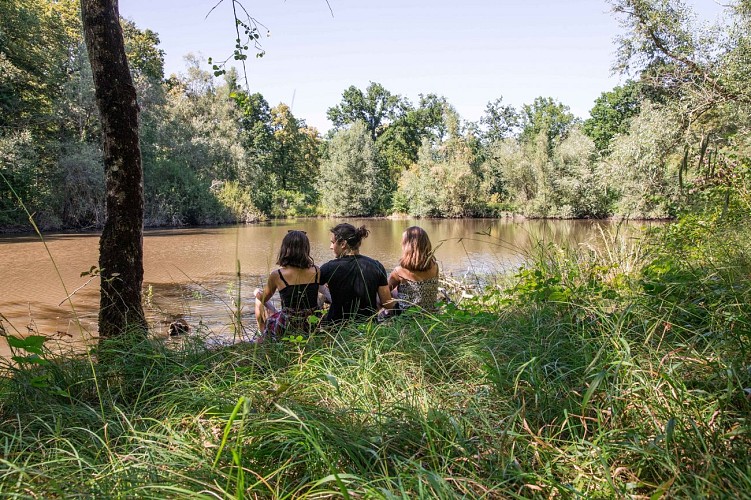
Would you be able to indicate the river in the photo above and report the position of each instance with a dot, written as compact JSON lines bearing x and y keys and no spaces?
{"x":191,"y":273}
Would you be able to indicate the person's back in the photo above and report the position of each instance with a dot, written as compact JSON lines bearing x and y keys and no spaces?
{"x":297,"y":283}
{"x":353,"y":282}
{"x":356,"y":283}
{"x":421,"y":291}
{"x":414,"y":282}
{"x":301,"y":294}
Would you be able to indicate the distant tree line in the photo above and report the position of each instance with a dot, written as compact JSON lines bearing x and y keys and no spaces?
{"x":676,"y":133}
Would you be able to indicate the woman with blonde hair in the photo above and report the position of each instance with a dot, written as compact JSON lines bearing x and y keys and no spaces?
{"x":414,"y":282}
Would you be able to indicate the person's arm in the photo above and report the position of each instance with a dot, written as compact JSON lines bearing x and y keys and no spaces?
{"x":323,"y":282}
{"x":324,"y":290}
{"x":268,"y":291}
{"x":394,"y":278}
{"x":384,"y":294}
{"x":262,"y":306}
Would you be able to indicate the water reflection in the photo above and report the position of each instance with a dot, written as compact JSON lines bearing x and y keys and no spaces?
{"x":191,"y":273}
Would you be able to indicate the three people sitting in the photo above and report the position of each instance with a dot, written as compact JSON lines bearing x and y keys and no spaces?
{"x":355,"y":285}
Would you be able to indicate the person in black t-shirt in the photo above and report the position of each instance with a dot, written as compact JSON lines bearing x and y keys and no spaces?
{"x":358,"y":284}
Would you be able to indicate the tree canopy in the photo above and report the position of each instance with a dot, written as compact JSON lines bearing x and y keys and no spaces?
{"x":376,"y":107}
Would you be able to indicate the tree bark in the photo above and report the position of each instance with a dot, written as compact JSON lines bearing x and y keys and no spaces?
{"x":121,"y":243}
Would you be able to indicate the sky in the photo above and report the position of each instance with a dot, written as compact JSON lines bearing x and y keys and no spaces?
{"x":469,"y":51}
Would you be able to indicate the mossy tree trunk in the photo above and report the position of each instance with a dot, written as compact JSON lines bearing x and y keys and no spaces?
{"x":121,"y":243}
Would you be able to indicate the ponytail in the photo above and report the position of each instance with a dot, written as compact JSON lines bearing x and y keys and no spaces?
{"x":351,"y":235}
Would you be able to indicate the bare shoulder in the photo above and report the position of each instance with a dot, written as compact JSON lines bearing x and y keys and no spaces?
{"x":435,"y":270}
{"x":297,"y":275}
{"x":421,"y":275}
{"x":397,"y":274}
{"x":274,"y":276}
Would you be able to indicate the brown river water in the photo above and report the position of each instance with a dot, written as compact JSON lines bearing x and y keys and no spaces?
{"x":191,"y":273}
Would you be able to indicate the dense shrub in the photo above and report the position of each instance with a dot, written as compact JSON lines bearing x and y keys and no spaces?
{"x":352,"y":180}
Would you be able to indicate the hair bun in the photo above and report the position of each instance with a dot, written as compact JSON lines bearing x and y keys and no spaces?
{"x":362,"y":232}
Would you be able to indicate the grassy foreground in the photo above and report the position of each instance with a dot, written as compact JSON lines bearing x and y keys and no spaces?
{"x":600,"y":374}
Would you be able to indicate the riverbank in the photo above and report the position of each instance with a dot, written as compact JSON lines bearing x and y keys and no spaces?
{"x":29,"y":231}
{"x":608,"y":373}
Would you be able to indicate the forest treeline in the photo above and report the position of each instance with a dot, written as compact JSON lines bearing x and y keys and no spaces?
{"x":676,"y":133}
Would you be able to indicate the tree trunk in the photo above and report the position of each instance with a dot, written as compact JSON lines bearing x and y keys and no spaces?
{"x":121,"y":243}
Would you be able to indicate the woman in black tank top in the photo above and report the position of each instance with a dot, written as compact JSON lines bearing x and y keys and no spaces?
{"x":297,"y":282}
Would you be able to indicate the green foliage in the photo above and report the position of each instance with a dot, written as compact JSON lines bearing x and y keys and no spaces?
{"x":81,"y":197}
{"x":284,"y":152}
{"x":292,"y":204}
{"x":32,"y":368}
{"x":36,"y":40}
{"x":543,"y":172}
{"x":199,"y":159}
{"x":50,"y":139}
{"x":442,"y":183}
{"x":398,"y":146}
{"x":503,"y":180}
{"x":697,"y":73}
{"x":177,"y":197}
{"x":18,"y":160}
{"x":375,"y":108}
{"x":201,"y":128}
{"x":251,"y":36}
{"x":698,"y":279}
{"x":662,"y":37}
{"x":419,"y":192}
{"x":534,"y":286}
{"x":195,"y":132}
{"x":674,"y":138}
{"x":34,"y":68}
{"x":238,"y":201}
{"x":610,"y":115}
{"x":352,"y":181}
{"x":144,"y":58}
{"x":257,"y":138}
{"x":577,"y":182}
{"x":295,"y":160}
{"x":548,"y":117}
{"x":642,"y":166}
{"x":76,"y":112}
{"x":567,"y":182}
{"x":501,"y":121}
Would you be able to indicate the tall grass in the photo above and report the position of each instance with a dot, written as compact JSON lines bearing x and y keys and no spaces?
{"x":610,"y":373}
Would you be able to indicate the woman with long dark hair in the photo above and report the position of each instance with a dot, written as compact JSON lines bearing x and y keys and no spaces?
{"x":297,"y":281}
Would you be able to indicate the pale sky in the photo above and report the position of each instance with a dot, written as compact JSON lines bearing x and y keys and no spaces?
{"x":470,"y":51}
